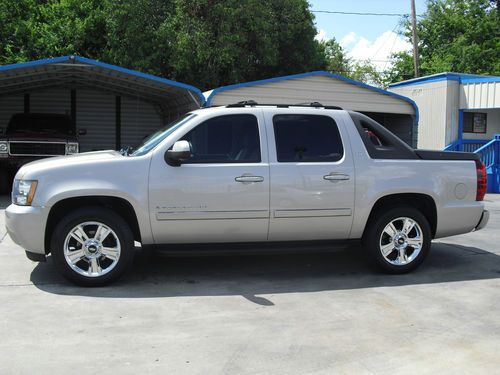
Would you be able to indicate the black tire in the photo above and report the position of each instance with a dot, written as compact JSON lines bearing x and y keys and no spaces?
{"x":121,"y":235}
{"x":374,"y":238}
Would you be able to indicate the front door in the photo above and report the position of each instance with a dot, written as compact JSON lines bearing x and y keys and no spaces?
{"x":312,"y":178}
{"x":220,"y":194}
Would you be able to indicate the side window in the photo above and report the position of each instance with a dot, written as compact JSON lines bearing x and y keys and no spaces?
{"x":307,"y":138}
{"x":225,"y":139}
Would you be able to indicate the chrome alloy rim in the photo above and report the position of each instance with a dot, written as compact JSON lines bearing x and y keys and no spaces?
{"x":401,"y":241}
{"x":92,"y":249}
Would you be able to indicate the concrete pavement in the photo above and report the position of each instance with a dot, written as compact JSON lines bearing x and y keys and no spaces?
{"x":276,"y":314}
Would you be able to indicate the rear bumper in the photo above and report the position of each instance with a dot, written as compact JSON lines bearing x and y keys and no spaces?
{"x":484,"y":220}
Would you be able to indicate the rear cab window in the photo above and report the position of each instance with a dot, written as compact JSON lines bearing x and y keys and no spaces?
{"x":307,"y":138}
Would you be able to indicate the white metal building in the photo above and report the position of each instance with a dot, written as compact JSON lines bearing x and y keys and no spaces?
{"x":398,"y":113}
{"x":116,"y":106}
{"x":454,"y":107}
{"x":459,"y":112}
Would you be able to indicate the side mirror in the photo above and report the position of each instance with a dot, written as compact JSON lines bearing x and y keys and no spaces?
{"x":181,"y":151}
{"x":82,"y":131}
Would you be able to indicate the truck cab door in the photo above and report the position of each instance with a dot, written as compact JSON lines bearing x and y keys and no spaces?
{"x":312,"y":177}
{"x":220,"y":193}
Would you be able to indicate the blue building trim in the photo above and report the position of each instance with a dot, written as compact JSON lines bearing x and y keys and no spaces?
{"x":480,"y":80}
{"x":85,"y":60}
{"x":460,"y":124}
{"x":311,"y":74}
{"x":458,"y":77}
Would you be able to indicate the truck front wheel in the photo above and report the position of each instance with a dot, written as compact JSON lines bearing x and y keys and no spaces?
{"x":398,"y":239}
{"x":92,"y":246}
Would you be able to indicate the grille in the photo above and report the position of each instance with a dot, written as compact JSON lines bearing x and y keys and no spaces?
{"x":36,"y":148}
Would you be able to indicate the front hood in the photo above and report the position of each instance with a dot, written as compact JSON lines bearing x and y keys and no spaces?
{"x":41,"y":167}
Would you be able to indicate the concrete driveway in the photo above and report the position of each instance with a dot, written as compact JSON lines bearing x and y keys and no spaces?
{"x":288,"y":314}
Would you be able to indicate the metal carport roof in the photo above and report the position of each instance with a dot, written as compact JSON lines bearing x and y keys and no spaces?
{"x":211,"y":95}
{"x":80,"y":71}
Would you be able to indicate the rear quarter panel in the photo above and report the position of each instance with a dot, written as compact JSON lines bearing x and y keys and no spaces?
{"x":450,"y":183}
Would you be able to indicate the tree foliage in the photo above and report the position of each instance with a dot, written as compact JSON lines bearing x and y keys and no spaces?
{"x":210,"y":43}
{"x":207,"y":43}
{"x":455,"y":36}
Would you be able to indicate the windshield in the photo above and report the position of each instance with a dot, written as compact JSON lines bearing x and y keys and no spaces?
{"x":39,"y":123}
{"x":154,"y":139}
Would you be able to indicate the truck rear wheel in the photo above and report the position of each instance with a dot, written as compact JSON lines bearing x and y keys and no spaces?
{"x":92,"y":246}
{"x":398,"y":239}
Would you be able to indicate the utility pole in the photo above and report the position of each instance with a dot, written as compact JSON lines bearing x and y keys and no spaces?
{"x":414,"y":39}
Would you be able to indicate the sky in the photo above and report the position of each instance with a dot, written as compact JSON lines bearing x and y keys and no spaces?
{"x":365,"y":37}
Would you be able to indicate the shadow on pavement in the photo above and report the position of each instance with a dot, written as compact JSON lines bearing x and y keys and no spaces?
{"x":156,"y":276}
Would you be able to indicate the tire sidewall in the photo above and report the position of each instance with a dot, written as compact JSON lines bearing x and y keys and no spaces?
{"x":377,"y":225}
{"x":107,"y":217}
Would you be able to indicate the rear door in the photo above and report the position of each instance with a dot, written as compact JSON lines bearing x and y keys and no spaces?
{"x":312,"y":176}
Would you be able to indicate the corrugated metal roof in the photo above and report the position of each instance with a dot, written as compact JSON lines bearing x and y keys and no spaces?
{"x":447,"y":76}
{"x":81,"y":71}
{"x":325,"y":89}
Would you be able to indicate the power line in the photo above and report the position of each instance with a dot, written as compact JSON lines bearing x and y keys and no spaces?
{"x":363,"y":13}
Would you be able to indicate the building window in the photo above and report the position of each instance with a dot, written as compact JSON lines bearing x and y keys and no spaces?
{"x":474,"y":122}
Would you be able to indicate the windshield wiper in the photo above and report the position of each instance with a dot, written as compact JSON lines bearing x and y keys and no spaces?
{"x":126,"y":150}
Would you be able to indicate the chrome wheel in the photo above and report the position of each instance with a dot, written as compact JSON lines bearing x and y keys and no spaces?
{"x":401,"y":241}
{"x":92,"y":249}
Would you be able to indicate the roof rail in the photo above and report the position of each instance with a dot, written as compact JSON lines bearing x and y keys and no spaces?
{"x":243,"y":103}
{"x":253,"y":103}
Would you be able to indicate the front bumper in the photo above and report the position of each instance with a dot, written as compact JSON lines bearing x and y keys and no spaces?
{"x":484,"y":220}
{"x":26,"y":226}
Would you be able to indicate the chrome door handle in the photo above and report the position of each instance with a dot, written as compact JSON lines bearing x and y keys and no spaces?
{"x":336,"y":177}
{"x":249,"y":178}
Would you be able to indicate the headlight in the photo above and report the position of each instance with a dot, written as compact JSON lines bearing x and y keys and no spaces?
{"x":4,"y":148}
{"x":23,"y":192}
{"x":71,"y":148}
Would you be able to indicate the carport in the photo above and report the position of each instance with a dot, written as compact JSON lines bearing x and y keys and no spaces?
{"x":396,"y":112}
{"x":116,"y":106}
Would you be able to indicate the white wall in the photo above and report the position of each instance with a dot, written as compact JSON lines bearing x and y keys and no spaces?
{"x":480,"y":95}
{"x":434,"y":101}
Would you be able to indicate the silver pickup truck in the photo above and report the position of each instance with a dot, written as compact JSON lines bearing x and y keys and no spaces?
{"x":241,"y":176}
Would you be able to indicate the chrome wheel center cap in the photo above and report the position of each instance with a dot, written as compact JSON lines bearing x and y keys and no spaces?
{"x":400,"y":240}
{"x":92,"y":248}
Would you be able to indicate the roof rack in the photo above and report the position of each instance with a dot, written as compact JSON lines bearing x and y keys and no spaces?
{"x":253,"y":103}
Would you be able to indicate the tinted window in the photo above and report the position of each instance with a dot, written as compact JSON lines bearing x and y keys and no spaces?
{"x":307,"y":138}
{"x":39,"y":123}
{"x":225,"y":139}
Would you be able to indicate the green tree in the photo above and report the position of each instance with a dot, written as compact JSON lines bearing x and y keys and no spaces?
{"x":366,"y":71}
{"x":223,"y":42}
{"x":402,"y":68}
{"x":336,"y":59}
{"x":139,"y":34}
{"x":38,"y":29}
{"x":455,"y":35}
